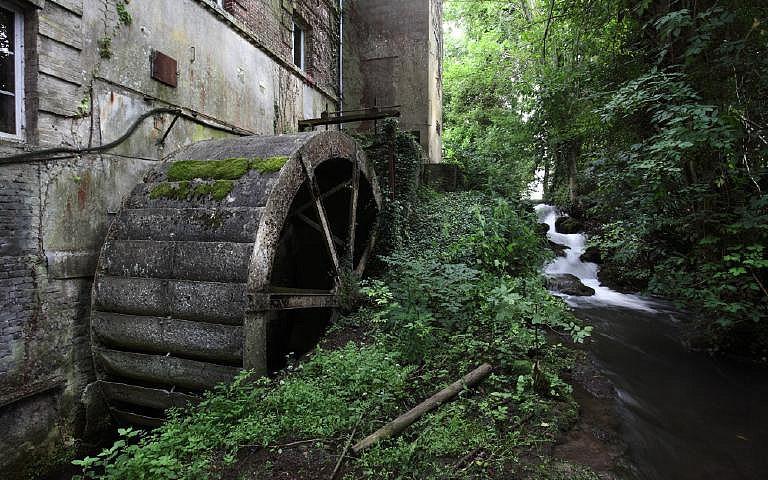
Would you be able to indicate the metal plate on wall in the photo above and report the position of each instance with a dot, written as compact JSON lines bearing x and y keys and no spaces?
{"x":164,"y":69}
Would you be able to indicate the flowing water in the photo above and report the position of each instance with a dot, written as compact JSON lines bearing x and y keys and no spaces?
{"x":683,"y":415}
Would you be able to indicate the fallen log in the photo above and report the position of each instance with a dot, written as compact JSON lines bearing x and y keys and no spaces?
{"x":402,"y":422}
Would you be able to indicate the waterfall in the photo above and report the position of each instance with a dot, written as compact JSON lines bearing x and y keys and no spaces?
{"x":584,"y":271}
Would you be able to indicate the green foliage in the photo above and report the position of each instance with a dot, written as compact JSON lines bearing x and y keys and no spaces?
{"x":326,"y":395}
{"x":397,"y":146}
{"x":123,"y":14}
{"x":644,"y":116}
{"x":505,"y":240}
{"x":105,"y":47}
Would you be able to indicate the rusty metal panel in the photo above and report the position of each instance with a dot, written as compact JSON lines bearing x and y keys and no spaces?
{"x":164,"y":69}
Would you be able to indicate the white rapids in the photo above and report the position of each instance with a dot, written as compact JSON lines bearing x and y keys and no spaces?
{"x":584,"y":271}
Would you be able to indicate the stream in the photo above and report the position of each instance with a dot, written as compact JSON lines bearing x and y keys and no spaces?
{"x":683,"y":415}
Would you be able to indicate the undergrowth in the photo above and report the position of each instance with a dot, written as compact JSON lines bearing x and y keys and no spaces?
{"x":461,"y":289}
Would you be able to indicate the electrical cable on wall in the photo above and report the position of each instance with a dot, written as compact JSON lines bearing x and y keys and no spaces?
{"x":40,"y":155}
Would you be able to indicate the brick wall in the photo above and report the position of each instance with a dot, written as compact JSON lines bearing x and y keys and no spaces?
{"x":19,"y":254}
{"x":271,"y":22}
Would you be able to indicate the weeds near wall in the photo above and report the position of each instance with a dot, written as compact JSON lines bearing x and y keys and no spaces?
{"x":123,"y":14}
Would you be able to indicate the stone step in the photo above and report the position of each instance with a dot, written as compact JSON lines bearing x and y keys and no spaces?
{"x":223,"y":224}
{"x":205,"y":261}
{"x":222,"y":303}
{"x":163,"y":370}
{"x":154,"y":398}
{"x":246,"y":192}
{"x":202,"y":341}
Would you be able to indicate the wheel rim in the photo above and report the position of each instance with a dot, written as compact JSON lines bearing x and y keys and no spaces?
{"x":333,"y":212}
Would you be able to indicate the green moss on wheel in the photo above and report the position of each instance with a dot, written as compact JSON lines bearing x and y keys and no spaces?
{"x":229,"y":169}
{"x":170,"y":191}
{"x":217,"y":190}
{"x":268,"y":165}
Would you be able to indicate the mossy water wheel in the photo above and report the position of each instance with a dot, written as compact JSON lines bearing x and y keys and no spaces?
{"x":228,"y":256}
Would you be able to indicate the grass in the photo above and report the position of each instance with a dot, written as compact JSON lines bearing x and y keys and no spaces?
{"x":436,"y":312}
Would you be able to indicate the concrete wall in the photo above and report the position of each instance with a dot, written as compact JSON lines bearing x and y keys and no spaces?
{"x":87,"y":79}
{"x":392,"y":56}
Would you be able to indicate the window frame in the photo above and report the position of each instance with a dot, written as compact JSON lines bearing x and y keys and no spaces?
{"x":299,"y":26}
{"x":19,"y":70}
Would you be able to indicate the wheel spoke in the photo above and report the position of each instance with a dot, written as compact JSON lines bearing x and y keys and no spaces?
{"x":359,"y":270}
{"x":314,"y":191}
{"x":319,"y":228}
{"x":353,"y":212}
{"x":329,"y":193}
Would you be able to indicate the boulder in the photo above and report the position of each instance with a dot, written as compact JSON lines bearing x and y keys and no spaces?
{"x":592,"y":255}
{"x":543,"y":228}
{"x":568,"y":225}
{"x":569,"y":285}
{"x":558,"y":249}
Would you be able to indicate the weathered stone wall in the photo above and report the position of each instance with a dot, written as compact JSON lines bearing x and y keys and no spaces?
{"x":88,"y":77}
{"x":392,"y":56}
{"x":322,"y":16}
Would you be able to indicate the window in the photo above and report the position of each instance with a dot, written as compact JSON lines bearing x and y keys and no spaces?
{"x":299,"y":45}
{"x":11,"y":72}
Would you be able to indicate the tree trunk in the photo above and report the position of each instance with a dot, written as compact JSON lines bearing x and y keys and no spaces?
{"x":572,"y":159}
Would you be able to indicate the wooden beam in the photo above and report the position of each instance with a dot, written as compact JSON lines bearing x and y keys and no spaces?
{"x":358,"y":117}
{"x":303,"y":301}
{"x":156,"y":398}
{"x":402,"y":422}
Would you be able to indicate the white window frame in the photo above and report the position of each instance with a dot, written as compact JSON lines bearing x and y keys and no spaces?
{"x":302,"y":45}
{"x":18,"y":54}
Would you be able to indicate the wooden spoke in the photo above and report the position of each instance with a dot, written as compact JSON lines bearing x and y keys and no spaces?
{"x":353,"y":212}
{"x":368,"y":250}
{"x":329,"y":193}
{"x":297,"y":298}
{"x":278,"y":291}
{"x":319,"y":228}
{"x":326,"y":227}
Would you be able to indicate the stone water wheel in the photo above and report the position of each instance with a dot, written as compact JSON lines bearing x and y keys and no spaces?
{"x":202,"y":277}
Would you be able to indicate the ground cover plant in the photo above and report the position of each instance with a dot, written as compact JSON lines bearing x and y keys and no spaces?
{"x":461,"y":289}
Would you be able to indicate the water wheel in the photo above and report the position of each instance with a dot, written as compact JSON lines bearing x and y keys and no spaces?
{"x":231,"y":255}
